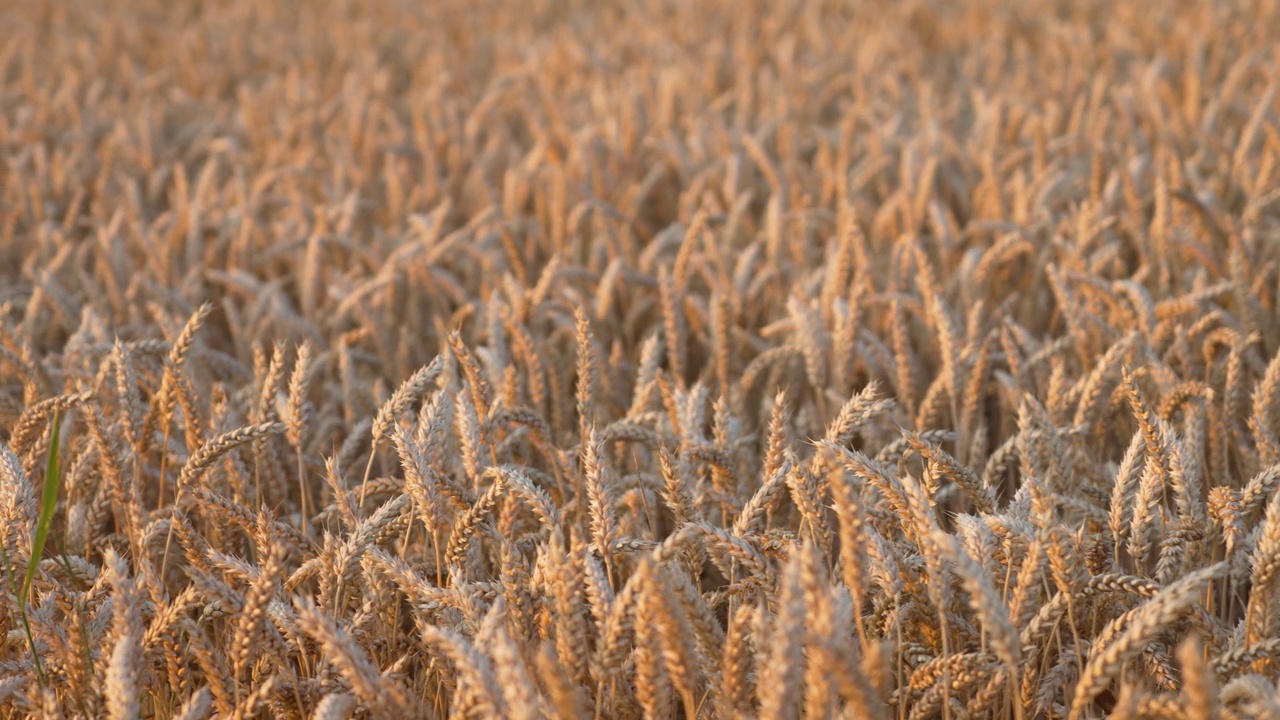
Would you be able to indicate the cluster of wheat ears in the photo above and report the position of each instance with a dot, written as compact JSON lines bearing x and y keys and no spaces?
{"x":577,"y":359}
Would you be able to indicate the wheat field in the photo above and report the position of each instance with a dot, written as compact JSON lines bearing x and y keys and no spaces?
{"x":640,"y":359}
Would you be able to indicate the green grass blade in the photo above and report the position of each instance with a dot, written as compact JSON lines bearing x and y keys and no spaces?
{"x":48,"y":502}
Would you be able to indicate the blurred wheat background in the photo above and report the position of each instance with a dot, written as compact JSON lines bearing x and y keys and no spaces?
{"x":572,"y":359}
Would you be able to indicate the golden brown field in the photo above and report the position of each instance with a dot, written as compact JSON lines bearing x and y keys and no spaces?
{"x":639,"y":358}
